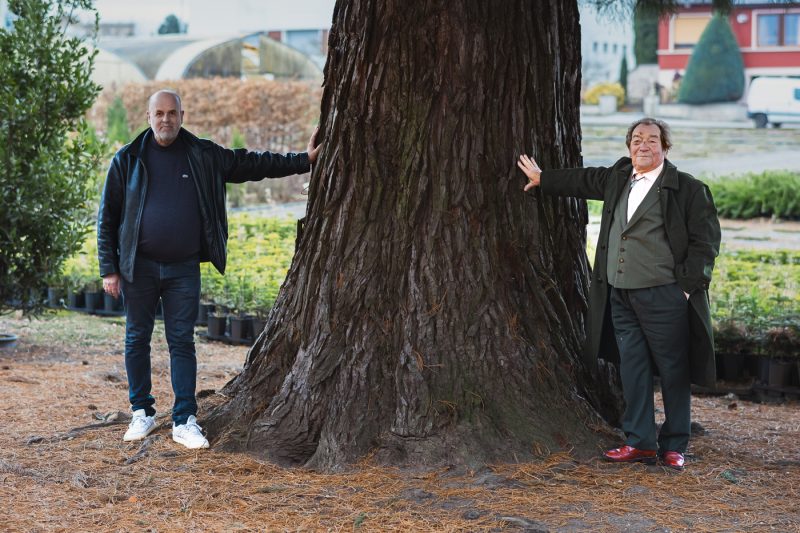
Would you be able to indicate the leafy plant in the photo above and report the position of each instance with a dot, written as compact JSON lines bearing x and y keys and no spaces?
{"x":48,"y":153}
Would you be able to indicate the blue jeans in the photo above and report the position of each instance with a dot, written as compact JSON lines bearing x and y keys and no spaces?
{"x":177,"y":285}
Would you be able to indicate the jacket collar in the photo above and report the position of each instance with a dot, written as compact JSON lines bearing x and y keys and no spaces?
{"x":669,"y":174}
{"x":138,"y":146}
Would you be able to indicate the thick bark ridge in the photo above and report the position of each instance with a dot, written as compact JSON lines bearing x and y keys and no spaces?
{"x":433,"y":313}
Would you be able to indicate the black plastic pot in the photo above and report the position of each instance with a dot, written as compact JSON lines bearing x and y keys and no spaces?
{"x":217,"y":325}
{"x":54,"y":297}
{"x":94,"y":301}
{"x":241,"y":328}
{"x":76,"y":300}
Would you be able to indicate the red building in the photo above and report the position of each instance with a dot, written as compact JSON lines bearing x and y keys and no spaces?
{"x":768,"y":34}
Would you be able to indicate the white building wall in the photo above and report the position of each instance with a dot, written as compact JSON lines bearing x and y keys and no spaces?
{"x":604,"y":41}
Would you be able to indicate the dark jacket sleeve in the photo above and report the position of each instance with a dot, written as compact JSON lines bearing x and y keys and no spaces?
{"x":108,"y":219}
{"x":589,"y":183}
{"x":240,"y":165}
{"x":702,"y":224}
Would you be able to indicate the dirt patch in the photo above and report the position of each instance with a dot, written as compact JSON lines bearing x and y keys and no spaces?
{"x":63,"y":465}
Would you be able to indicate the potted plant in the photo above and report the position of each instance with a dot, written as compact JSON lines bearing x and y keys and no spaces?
{"x":241,"y":321}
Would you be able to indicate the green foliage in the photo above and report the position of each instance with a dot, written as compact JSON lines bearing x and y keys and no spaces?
{"x":645,"y":35}
{"x":768,"y":194}
{"x":118,"y":131}
{"x":715,"y":72}
{"x":171,"y":24}
{"x":260,"y":251}
{"x":48,"y":154}
{"x":623,"y":73}
{"x":755,"y":302}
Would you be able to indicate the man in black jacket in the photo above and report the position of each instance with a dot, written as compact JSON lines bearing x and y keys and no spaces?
{"x":162,"y":212}
{"x":649,"y":311}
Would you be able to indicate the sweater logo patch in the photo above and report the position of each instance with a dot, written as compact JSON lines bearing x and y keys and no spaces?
{"x":185,"y":176}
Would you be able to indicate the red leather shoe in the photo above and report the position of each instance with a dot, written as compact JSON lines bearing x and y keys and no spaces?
{"x":673,"y":460}
{"x":629,"y":454}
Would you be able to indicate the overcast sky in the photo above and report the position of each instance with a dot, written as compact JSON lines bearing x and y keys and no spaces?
{"x":212,"y":17}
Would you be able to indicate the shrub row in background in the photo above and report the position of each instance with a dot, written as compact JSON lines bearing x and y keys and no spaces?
{"x":755,"y":303}
{"x":755,"y":296}
{"x":768,"y":194}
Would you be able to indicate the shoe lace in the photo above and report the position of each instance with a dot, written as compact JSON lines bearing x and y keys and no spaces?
{"x":193,"y":428}
{"x":139,"y":422}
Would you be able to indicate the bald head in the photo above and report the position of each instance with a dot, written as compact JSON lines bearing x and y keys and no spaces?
{"x":165,"y":116}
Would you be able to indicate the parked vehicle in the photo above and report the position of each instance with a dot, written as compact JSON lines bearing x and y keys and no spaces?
{"x":773,"y":101}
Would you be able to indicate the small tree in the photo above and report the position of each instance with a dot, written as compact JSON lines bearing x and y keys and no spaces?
{"x":48,"y":154}
{"x":623,"y":73}
{"x":118,"y":130}
{"x":715,"y":72}
{"x":171,"y":24}
{"x":645,"y":34}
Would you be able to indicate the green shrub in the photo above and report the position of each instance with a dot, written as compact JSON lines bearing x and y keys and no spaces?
{"x":117,"y":129}
{"x":755,"y":302}
{"x":715,"y":72}
{"x":49,"y":153}
{"x":260,"y":251}
{"x":645,"y":34}
{"x":768,"y":194}
{"x":623,"y":73}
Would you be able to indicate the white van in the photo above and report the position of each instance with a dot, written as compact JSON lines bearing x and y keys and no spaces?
{"x":773,"y":101}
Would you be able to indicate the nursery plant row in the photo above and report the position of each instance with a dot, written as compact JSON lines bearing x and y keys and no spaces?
{"x":755,"y":296}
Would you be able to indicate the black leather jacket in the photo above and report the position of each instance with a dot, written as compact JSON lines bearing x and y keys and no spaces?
{"x":121,"y":205}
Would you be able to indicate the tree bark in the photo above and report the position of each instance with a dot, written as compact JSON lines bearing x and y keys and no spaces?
{"x":434,"y":313}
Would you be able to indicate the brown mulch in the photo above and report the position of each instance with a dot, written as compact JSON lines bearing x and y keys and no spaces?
{"x":64,"y":467}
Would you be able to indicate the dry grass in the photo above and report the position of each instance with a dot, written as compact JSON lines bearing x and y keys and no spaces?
{"x":743,"y":474}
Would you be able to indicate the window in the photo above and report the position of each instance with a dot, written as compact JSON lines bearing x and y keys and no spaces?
{"x":797,"y":94}
{"x":780,"y":29}
{"x":594,"y":46}
{"x":687,"y":30}
{"x":605,"y":48}
{"x":614,"y":48}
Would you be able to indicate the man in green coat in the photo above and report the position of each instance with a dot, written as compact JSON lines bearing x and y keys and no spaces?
{"x":649,"y":310}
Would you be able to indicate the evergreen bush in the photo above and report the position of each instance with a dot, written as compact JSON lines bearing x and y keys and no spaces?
{"x":645,"y":34}
{"x":715,"y":72}
{"x":118,"y":131}
{"x":50,"y":154}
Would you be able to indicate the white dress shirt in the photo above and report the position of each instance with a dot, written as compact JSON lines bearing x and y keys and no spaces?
{"x":640,"y":186}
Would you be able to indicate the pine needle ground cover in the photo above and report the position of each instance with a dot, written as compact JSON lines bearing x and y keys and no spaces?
{"x":64,"y":466}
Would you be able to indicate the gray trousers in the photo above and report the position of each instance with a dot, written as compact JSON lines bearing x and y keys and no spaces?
{"x":651,"y":326}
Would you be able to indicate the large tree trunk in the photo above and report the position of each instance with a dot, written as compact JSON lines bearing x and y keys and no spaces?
{"x":433,"y":312}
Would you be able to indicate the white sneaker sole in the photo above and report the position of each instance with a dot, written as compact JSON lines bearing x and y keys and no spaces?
{"x":191,"y":446}
{"x":128,"y":438}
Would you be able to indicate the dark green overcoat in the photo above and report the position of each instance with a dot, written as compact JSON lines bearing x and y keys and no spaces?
{"x":693,"y":232}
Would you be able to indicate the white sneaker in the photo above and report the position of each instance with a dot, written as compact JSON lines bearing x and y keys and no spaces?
{"x":141,"y":425}
{"x":189,"y":434}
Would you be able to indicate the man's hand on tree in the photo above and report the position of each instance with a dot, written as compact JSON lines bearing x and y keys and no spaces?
{"x":531,"y":169}
{"x":313,"y":149}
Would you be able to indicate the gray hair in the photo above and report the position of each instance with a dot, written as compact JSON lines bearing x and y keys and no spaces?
{"x":666,"y":135}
